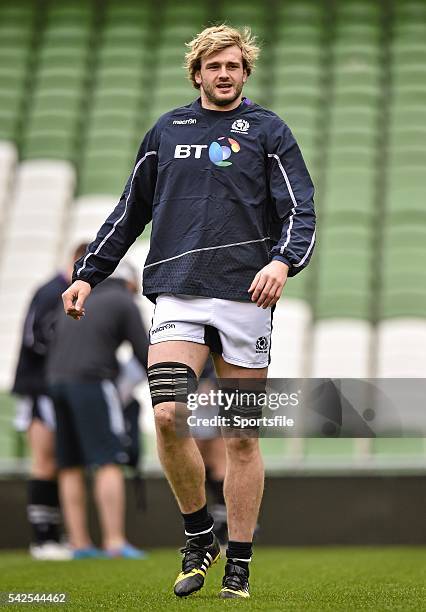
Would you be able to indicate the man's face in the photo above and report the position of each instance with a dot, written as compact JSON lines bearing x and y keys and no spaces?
{"x":222,"y":76}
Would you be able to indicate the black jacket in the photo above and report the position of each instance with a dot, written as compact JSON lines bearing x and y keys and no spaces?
{"x":30,"y":377}
{"x":227,"y":191}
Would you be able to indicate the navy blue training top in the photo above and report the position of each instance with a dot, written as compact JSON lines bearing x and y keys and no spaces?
{"x":227,"y":192}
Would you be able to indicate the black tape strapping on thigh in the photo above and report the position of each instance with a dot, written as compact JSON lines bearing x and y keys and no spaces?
{"x":244,"y":403}
{"x":171,"y":381}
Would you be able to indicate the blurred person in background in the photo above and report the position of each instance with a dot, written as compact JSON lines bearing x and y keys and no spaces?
{"x":35,"y":416}
{"x":82,"y":370}
{"x":231,"y":203}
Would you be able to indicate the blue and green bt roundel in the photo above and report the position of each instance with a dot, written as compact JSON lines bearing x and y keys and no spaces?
{"x":219,"y":153}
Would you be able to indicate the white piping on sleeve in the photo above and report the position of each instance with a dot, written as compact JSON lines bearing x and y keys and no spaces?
{"x":122,"y":216}
{"x":305,"y":257}
{"x":293,"y":212}
{"x":293,"y":199}
{"x":221,"y":246}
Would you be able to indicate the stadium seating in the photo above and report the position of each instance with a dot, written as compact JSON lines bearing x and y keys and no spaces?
{"x":17,"y":34}
{"x":32,"y":245}
{"x":58,"y":98}
{"x":115,"y":123}
{"x":82,"y":81}
{"x":8,"y":159}
{"x":299,"y":73}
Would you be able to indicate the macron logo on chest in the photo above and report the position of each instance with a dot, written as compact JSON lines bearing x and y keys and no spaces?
{"x":184,"y":122}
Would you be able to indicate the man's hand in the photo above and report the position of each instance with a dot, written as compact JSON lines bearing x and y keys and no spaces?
{"x":268,"y":284}
{"x":74,"y":298}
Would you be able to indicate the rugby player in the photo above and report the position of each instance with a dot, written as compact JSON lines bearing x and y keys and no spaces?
{"x":231,"y":204}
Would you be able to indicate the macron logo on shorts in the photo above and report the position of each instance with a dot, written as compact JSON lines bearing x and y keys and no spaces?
{"x":163,"y":327}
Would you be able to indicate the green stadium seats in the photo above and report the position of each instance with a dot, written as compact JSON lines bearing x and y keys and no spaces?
{"x":130,"y":34}
{"x":410,"y":10}
{"x":353,"y":137}
{"x":403,"y":236}
{"x":405,"y":53}
{"x":62,"y":80}
{"x":54,"y":56}
{"x":346,"y":95}
{"x":300,"y":11}
{"x":49,"y":145}
{"x":8,"y":126}
{"x":116,"y":103}
{"x":343,"y":305}
{"x":403,"y":119}
{"x":354,"y":76}
{"x":358,"y":33}
{"x":112,"y":122}
{"x":403,"y":138}
{"x":287,"y":54}
{"x":68,"y":36}
{"x":397,"y":302}
{"x":45,"y":122}
{"x":303,"y":35}
{"x":358,"y":11}
{"x":333,"y":239}
{"x":104,"y":183}
{"x":126,"y":11}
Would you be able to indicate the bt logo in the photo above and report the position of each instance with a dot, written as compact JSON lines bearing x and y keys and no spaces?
{"x":218,"y":152}
{"x":184,"y":150}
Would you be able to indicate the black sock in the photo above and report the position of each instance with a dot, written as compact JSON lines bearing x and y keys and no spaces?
{"x":240,"y":553}
{"x":216,"y":488}
{"x":199,"y":524}
{"x":43,"y":510}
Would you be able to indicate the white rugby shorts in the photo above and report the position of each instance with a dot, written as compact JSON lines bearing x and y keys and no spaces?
{"x":239,"y":331}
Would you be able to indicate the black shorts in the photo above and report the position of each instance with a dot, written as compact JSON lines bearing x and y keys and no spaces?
{"x":30,"y":407}
{"x":89,"y":424}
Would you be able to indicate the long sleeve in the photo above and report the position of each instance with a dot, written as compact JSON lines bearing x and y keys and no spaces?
{"x":127,"y":221}
{"x":292,"y":194}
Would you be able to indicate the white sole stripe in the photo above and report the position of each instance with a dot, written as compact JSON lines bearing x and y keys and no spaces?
{"x":199,"y":532}
{"x":221,"y":246}
{"x":122,"y":216}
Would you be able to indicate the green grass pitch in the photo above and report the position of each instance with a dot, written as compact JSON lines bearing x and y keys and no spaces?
{"x":281,"y":579}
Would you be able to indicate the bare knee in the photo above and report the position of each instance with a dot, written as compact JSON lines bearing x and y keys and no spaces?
{"x":242,"y":450}
{"x":44,"y":468}
{"x":164,"y":415}
{"x":43,"y":461}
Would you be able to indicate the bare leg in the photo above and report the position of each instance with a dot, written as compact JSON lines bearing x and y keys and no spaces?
{"x":243,"y":487}
{"x":73,"y":496}
{"x":179,"y":456}
{"x":42,"y":444}
{"x":110,"y":501}
{"x":214,"y":456}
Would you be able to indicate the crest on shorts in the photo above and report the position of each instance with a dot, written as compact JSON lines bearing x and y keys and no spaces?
{"x":262,"y":344}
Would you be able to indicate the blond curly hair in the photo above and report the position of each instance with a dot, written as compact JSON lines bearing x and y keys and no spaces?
{"x":216,"y":38}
